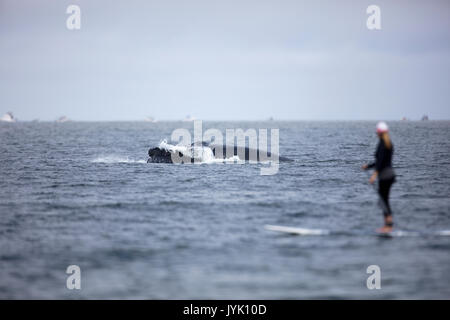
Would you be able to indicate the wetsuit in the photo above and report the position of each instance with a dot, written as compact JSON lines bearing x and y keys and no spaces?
{"x":386,"y":175}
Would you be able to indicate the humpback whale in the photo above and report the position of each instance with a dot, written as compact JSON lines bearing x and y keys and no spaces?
{"x":166,"y":155}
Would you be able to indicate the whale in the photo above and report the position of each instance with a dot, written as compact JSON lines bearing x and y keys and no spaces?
{"x":163,"y":155}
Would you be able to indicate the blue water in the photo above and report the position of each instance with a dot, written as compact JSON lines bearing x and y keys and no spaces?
{"x":81,"y":193}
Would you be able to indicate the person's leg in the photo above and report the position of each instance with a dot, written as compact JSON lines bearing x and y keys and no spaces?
{"x":384,"y":189}
{"x":388,"y":221}
{"x":388,"y":190}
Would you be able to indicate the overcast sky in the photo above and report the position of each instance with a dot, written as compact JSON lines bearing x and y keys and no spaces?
{"x":225,"y":60}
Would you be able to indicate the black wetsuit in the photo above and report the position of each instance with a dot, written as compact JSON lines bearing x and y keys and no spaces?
{"x":386,"y":175}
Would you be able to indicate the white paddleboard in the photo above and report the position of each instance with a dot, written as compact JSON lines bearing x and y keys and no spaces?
{"x":322,"y":232}
{"x":299,"y":231}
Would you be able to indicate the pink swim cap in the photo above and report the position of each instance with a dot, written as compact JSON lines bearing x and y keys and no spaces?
{"x":382,"y":127}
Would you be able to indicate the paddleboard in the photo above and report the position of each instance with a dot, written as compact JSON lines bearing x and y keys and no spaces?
{"x":324,"y":232}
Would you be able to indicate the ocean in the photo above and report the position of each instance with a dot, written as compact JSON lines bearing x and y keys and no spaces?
{"x":81,"y":193}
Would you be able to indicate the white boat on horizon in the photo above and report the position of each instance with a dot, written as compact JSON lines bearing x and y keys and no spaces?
{"x":8,"y":117}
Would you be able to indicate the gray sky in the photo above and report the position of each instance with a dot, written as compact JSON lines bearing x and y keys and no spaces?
{"x":225,"y":60}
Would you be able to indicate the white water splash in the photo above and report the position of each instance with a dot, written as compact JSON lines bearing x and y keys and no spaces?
{"x":445,"y":233}
{"x":202,"y":154}
{"x":116,"y":159}
{"x":300,"y":231}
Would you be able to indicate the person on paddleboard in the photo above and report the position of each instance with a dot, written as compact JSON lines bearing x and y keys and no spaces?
{"x":384,"y":173}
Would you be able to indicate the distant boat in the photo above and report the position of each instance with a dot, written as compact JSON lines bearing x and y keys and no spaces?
{"x":425,"y":118}
{"x":188,"y":118}
{"x":8,"y":117}
{"x":150,"y":119}
{"x":63,"y":119}
{"x":404,"y":119}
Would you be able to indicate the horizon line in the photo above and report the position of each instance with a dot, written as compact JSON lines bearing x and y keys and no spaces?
{"x":231,"y":120}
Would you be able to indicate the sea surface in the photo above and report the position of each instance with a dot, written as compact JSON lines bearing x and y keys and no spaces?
{"x":81,"y":193}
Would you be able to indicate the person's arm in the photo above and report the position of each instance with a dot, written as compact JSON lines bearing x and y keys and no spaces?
{"x":374,"y":174}
{"x":369,"y":166}
{"x":373,"y":177}
{"x":382,"y":153}
{"x":372,"y":164}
